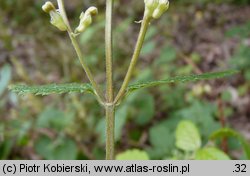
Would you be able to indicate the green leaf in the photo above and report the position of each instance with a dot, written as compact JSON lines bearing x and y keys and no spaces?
{"x":5,"y":76}
{"x":22,"y":136}
{"x":161,"y":138}
{"x":227,"y":132}
{"x":240,"y":59}
{"x":133,"y":154}
{"x":247,"y":75}
{"x":142,"y":107}
{"x":158,"y":136}
{"x":177,"y":79}
{"x":5,"y":148}
{"x":211,"y":153}
{"x":52,"y":89}
{"x":171,"y":97}
{"x":59,"y":149}
{"x":168,"y":55}
{"x":54,"y":118}
{"x":203,"y":115}
{"x":241,"y":31}
{"x":187,"y":136}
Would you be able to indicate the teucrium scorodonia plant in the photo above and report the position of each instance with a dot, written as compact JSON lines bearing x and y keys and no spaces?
{"x":154,"y":9}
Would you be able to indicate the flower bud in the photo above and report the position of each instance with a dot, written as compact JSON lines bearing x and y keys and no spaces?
{"x":151,"y":4}
{"x":92,"y":11}
{"x":56,"y":18}
{"x":48,"y":6}
{"x":162,"y":7}
{"x":155,"y":8}
{"x":86,"y":19}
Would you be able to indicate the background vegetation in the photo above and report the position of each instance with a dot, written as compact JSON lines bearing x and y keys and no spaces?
{"x":195,"y":36}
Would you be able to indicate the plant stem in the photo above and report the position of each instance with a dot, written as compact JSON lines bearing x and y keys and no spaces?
{"x":110,"y":109}
{"x":110,"y":132}
{"x":99,"y":94}
{"x":138,"y":47}
{"x":79,"y":53}
{"x":109,"y":50}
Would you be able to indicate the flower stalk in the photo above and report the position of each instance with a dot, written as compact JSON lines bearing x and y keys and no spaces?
{"x":76,"y":46}
{"x":144,"y":26}
{"x":153,"y":10}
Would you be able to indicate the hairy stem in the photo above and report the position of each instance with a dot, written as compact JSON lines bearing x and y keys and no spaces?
{"x":110,"y":132}
{"x":79,"y":53}
{"x":110,"y":110}
{"x":86,"y":69}
{"x":138,"y":47}
{"x":109,"y":50}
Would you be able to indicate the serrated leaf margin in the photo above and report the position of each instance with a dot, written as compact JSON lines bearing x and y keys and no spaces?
{"x":189,"y":78}
{"x":43,"y":90}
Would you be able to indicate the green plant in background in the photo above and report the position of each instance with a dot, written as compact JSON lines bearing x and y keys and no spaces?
{"x":188,"y":139}
{"x":154,"y":9}
{"x":188,"y":144}
{"x":240,"y":59}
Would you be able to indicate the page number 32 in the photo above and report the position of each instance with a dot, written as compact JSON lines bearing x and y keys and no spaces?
{"x":240,"y":168}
